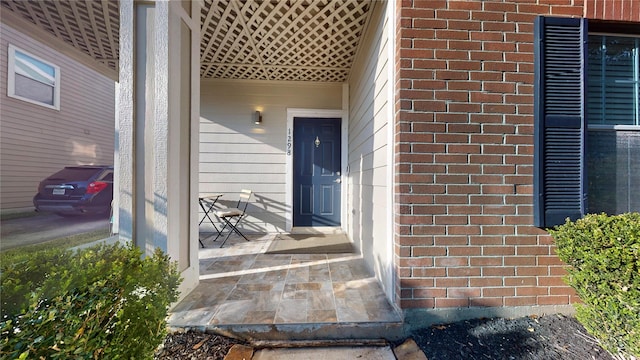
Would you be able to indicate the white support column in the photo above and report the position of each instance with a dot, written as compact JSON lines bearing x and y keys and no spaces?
{"x":160,"y":132}
{"x":182,"y":146}
{"x":158,"y":127}
{"x":125,"y":125}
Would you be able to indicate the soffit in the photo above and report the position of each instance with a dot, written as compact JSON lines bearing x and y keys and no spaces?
{"x":294,"y":40}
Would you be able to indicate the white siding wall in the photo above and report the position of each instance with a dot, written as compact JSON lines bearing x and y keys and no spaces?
{"x":236,"y":154}
{"x":369,"y":163}
{"x":36,"y":141}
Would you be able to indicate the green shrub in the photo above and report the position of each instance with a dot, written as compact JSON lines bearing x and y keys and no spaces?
{"x":105,"y":302}
{"x":604,"y":257}
{"x":24,"y":273}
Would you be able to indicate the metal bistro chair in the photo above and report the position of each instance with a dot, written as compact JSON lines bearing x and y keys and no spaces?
{"x":207,"y":203}
{"x":232,"y":216}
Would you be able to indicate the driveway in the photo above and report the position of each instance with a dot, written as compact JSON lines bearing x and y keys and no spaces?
{"x":45,"y":227}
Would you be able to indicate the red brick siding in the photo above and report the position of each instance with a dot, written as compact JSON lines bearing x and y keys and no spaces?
{"x":464,"y":154}
{"x":626,"y":10}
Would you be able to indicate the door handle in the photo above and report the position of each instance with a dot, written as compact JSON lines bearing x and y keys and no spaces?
{"x":338,"y":180}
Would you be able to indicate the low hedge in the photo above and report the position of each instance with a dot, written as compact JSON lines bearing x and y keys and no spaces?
{"x":604,"y":257}
{"x":105,"y":302}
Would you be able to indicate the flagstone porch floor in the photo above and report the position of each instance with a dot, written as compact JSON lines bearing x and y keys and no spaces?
{"x":250,"y":294}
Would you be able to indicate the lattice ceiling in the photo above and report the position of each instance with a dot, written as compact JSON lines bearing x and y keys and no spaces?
{"x":301,"y":40}
{"x":311,"y":40}
{"x":90,"y":26}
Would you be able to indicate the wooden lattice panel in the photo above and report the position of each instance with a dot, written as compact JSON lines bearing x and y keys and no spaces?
{"x":301,"y":40}
{"x":91,"y":26}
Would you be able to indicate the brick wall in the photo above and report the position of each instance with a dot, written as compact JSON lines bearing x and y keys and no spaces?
{"x":627,"y":10}
{"x":464,"y":155}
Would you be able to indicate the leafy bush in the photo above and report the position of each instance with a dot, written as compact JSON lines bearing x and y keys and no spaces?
{"x":101,"y":302}
{"x":23,"y":273}
{"x":604,"y":257}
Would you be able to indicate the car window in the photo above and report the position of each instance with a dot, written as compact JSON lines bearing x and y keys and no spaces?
{"x":108,"y":176}
{"x":74,"y":173}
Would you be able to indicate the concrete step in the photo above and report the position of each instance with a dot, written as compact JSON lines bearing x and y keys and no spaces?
{"x":310,"y":332}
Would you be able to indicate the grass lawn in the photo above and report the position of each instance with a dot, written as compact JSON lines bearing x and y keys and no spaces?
{"x":19,"y":215}
{"x":15,"y":254}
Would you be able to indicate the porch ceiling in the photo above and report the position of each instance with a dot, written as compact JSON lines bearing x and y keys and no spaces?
{"x":294,"y":40}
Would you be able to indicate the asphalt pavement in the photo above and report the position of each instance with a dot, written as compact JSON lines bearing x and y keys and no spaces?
{"x":46,"y":227}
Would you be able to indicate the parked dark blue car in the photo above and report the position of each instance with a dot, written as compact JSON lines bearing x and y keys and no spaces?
{"x":76,"y":190}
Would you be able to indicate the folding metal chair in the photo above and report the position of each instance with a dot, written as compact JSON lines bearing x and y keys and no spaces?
{"x":229,"y":215}
{"x":207,"y":203}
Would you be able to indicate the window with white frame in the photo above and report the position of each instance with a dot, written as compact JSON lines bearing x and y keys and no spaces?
{"x":613,"y":123}
{"x":32,"y":79}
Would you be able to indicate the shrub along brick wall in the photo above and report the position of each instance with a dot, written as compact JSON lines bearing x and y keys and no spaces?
{"x":464,"y":154}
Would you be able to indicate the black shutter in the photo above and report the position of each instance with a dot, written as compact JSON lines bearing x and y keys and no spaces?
{"x":559,"y":187}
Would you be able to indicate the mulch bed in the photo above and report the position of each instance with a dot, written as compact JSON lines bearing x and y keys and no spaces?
{"x":550,"y":337}
{"x":193,"y":345}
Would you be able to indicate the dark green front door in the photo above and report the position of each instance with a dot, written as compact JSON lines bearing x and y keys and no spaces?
{"x":316,"y":164}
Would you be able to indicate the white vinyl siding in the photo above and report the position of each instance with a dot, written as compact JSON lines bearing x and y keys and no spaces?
{"x":36,"y":141}
{"x":369,"y":124}
{"x":237,"y":154}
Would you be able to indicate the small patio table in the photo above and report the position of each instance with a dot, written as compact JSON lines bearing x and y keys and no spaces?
{"x":207,"y":202}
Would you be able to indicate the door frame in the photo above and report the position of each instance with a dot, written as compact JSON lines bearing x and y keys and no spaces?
{"x":314,"y":113}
